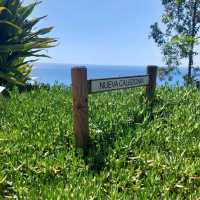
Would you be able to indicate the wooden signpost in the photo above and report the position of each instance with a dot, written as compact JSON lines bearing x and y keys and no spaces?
{"x":81,"y":87}
{"x":102,"y":85}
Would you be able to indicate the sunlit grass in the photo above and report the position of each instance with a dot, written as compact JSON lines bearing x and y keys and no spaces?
{"x":135,"y":151}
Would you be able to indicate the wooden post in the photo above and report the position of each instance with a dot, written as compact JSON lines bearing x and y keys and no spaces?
{"x":150,"y":89}
{"x":80,"y":106}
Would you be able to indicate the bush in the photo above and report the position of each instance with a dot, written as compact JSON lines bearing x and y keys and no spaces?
{"x":19,"y":42}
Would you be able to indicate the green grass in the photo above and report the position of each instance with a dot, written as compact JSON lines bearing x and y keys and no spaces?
{"x":136,"y":152}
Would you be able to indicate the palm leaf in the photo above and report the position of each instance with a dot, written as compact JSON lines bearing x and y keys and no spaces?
{"x":20,"y":43}
{"x":11,"y":25}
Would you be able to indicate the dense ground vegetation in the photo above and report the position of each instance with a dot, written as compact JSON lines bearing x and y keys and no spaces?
{"x":136,"y":152}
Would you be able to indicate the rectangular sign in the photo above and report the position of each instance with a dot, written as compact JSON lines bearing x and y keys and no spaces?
{"x":102,"y":85}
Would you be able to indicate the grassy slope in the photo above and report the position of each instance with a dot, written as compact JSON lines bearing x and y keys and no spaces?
{"x":135,"y":152}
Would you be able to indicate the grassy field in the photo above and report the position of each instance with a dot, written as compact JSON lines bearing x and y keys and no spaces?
{"x":136,"y":152}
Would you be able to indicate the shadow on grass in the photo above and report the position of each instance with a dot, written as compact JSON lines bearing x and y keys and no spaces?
{"x":104,"y":142}
{"x":6,"y":190}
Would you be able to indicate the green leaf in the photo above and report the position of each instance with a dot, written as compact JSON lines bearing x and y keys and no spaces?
{"x":11,"y":25}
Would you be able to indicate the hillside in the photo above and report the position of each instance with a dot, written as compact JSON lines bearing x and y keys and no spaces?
{"x":136,"y":152}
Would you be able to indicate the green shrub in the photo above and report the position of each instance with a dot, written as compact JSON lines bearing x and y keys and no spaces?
{"x":19,"y":42}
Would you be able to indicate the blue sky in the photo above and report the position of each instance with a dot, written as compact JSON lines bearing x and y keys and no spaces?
{"x":103,"y":32}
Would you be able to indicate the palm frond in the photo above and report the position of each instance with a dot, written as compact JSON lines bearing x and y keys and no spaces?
{"x":20,"y":43}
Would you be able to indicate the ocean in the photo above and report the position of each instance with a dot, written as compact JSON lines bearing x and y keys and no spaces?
{"x":61,"y":73}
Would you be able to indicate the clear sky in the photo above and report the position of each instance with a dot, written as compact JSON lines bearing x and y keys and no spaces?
{"x":104,"y":32}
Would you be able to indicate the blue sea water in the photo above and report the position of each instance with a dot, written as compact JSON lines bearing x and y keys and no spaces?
{"x":61,"y":73}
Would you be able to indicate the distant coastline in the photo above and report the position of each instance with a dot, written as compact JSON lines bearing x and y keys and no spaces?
{"x":52,"y":73}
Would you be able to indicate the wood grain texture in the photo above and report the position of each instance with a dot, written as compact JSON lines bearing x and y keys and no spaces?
{"x":80,"y":106}
{"x":150,"y":89}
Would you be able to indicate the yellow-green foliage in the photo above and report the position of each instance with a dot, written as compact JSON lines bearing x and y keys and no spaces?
{"x":135,"y":152}
{"x":19,"y":41}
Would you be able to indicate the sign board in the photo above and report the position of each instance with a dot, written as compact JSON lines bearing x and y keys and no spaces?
{"x":102,"y":85}
{"x":81,"y":87}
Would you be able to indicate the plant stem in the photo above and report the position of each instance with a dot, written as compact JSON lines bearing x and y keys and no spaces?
{"x":191,"y":53}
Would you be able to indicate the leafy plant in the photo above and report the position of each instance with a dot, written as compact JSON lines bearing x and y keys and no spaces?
{"x":179,"y":35}
{"x":20,"y":43}
{"x":156,"y":156}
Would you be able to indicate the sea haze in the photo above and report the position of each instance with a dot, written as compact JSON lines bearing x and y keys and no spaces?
{"x":61,"y":73}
